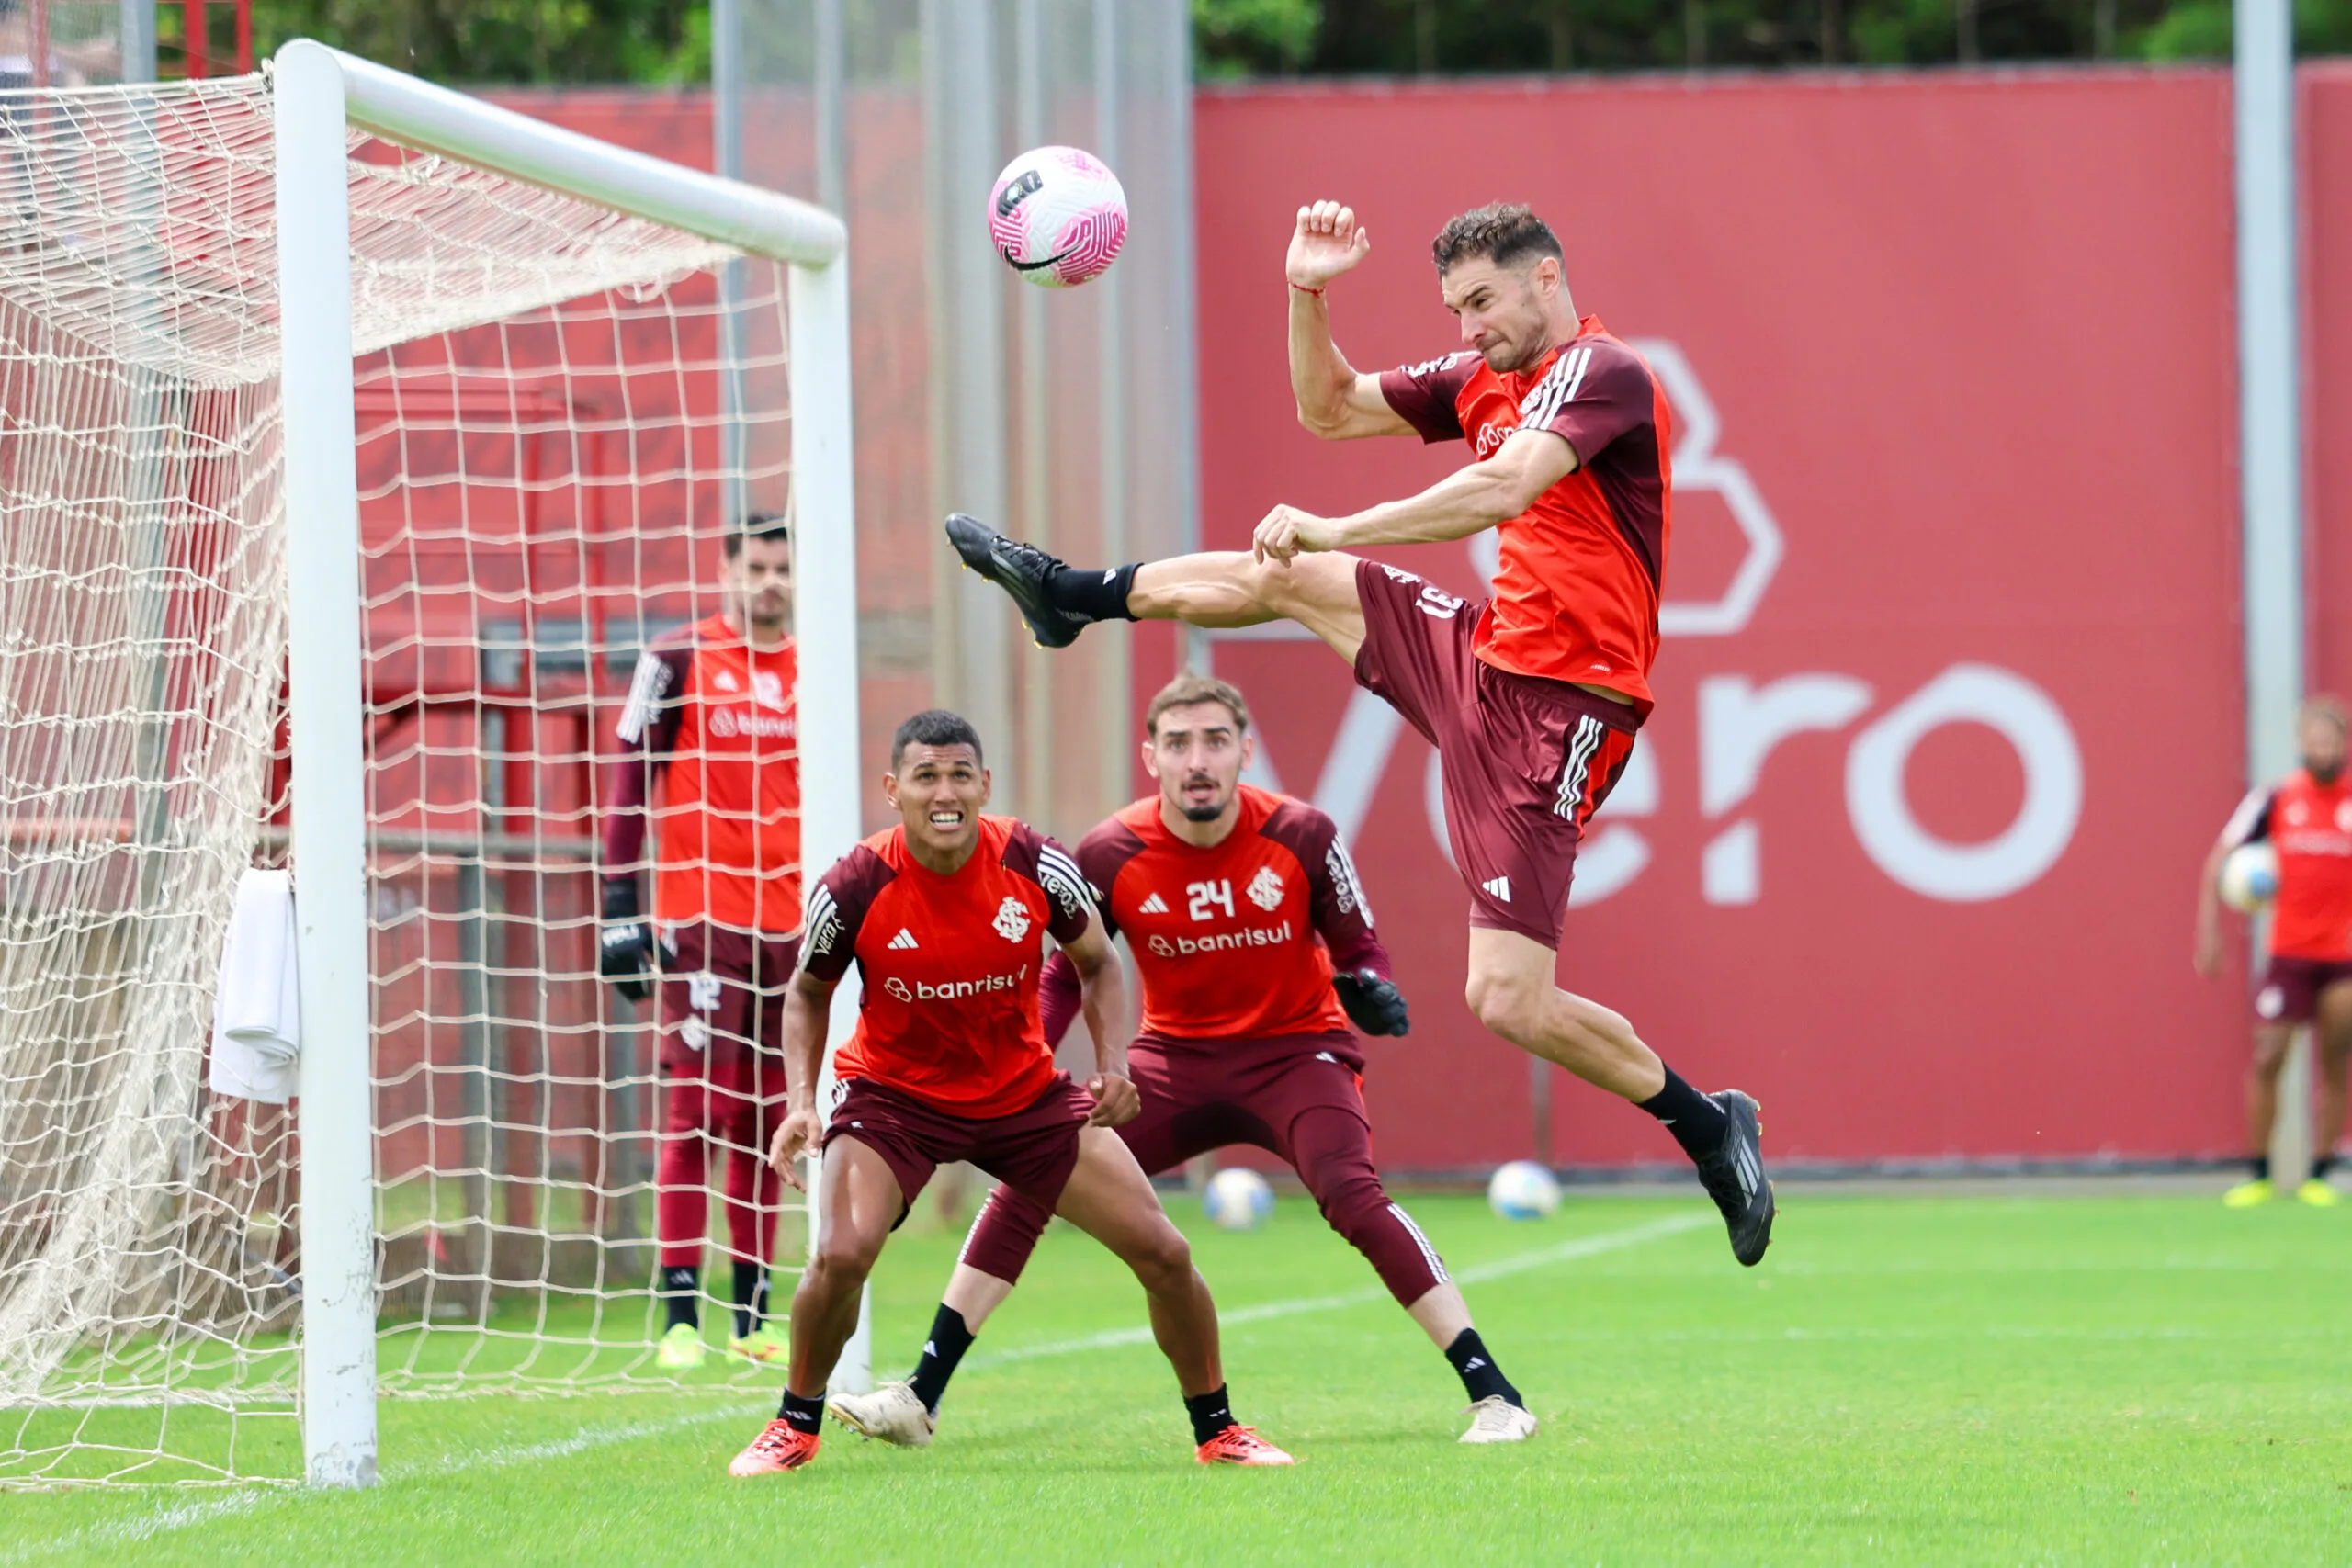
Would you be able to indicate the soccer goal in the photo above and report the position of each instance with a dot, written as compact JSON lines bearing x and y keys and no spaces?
{"x":355,"y":437}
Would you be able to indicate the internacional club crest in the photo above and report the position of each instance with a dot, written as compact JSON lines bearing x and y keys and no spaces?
{"x":1265,"y":889}
{"x":1012,"y":918}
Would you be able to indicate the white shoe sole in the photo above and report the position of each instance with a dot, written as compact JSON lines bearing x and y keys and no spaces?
{"x":920,"y":1437}
{"x":1519,"y":1431}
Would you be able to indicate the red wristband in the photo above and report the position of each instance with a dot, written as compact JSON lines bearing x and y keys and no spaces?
{"x":1303,"y":289}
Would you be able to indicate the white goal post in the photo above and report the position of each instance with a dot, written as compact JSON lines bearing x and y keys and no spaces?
{"x":320,"y":92}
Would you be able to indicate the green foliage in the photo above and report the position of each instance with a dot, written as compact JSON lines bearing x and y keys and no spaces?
{"x":1240,"y":38}
{"x":656,"y":43}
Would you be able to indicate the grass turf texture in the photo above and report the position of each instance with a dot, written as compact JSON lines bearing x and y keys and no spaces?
{"x":1934,"y":1381}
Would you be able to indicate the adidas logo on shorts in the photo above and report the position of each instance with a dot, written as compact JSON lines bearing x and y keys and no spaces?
{"x":905,"y":939}
{"x":1155,"y":905}
{"x":1499,"y":888}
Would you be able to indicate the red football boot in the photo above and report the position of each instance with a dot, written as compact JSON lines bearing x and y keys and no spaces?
{"x":1240,"y":1445}
{"x":780,"y":1446}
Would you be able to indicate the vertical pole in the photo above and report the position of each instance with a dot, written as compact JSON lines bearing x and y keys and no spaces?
{"x":338,"y":1378}
{"x":2270,"y":441}
{"x":244,"y":37}
{"x":726,"y":157}
{"x":137,"y":23}
{"x":1113,"y":737}
{"x":39,"y":43}
{"x":824,"y":611}
{"x":192,"y":39}
{"x":833,"y":109}
{"x":1179,"y":301}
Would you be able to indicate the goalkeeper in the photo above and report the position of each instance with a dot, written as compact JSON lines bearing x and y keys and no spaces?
{"x":1224,"y":890}
{"x":709,"y":745}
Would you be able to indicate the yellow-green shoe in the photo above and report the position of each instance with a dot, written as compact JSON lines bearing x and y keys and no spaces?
{"x":2318,"y":1194}
{"x":762,"y":1344}
{"x":681,"y":1350}
{"x":2250,"y":1194}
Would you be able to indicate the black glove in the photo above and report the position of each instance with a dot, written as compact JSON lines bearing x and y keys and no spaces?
{"x":625,"y":941}
{"x":1373,"y":1003}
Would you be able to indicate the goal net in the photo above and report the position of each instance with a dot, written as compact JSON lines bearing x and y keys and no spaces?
{"x":558,"y":404}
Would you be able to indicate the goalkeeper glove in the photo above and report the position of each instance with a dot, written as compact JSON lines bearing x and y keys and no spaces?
{"x":1373,"y":1003}
{"x":624,"y":943}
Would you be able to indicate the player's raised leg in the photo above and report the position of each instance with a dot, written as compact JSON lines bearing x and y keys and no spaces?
{"x":858,"y":1199}
{"x":1214,"y":588}
{"x":1108,"y":1196}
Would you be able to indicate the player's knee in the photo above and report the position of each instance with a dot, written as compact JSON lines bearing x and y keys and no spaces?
{"x":1162,"y":1260}
{"x":1507,"y":1004}
{"x":844,"y":1257}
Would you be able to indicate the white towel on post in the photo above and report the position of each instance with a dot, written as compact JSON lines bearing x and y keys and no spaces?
{"x":258,"y":1013}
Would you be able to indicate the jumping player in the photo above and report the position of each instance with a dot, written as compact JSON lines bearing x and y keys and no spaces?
{"x":1532,"y":698}
{"x":711,"y":729}
{"x":1222,"y":890}
{"x":944,"y":917}
{"x":2308,"y":819}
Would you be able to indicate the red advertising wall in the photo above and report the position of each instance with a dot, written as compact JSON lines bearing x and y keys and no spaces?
{"x":1949,"y":707}
{"x":2325,"y":110}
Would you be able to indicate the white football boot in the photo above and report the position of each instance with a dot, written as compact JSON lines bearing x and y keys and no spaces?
{"x":1495,"y":1419}
{"x":891,"y":1413}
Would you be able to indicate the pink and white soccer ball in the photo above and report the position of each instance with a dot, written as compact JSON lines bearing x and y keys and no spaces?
{"x":1057,"y":216}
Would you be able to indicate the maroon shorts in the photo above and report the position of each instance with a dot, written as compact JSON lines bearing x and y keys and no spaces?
{"x":1031,"y":1151}
{"x":1203,"y":1095}
{"x":1524,"y":762}
{"x":722,"y":1005}
{"x":2291,"y":988}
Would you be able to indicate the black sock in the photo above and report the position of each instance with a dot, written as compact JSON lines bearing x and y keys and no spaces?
{"x":2321,"y":1165}
{"x":680,"y":1287}
{"x":1697,"y":1122}
{"x":750,"y":1298}
{"x":1090,"y":593}
{"x":1481,"y":1379}
{"x":805,"y":1415}
{"x":1212,"y":1413}
{"x":2261,"y":1167}
{"x":949,"y":1339}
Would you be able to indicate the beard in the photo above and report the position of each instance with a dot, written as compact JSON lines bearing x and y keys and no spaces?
{"x":1203,"y":813}
{"x":2327,"y":775}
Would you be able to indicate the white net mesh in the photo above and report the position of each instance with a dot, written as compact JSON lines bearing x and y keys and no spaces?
{"x":547,"y":460}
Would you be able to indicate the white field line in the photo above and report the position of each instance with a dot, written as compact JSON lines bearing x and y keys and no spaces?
{"x":164,"y":1521}
{"x":1501,"y":1268}
{"x":131,"y":1532}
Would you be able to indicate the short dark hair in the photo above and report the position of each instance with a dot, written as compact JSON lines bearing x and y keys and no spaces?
{"x":1503,"y":231}
{"x":1188,"y":689}
{"x":758,"y":525}
{"x":935,"y":727}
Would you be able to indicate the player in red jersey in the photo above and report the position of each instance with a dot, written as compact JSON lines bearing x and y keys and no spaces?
{"x":1223,"y":891}
{"x":709,"y":738}
{"x":1531,"y":697}
{"x":944,"y":917}
{"x":2307,"y":817}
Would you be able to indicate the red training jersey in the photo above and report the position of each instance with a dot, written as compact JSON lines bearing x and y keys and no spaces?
{"x":716,"y":725}
{"x":1224,"y":938}
{"x":2310,"y":824}
{"x":1577,"y":596}
{"x":949,"y":964}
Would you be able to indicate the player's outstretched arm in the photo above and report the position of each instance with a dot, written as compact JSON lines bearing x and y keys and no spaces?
{"x":808,"y":1015}
{"x":2249,"y":822}
{"x":1468,"y":501}
{"x":1103,"y":997}
{"x":1335,"y":401}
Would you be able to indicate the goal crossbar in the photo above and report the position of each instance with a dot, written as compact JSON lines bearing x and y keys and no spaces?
{"x":320,"y":93}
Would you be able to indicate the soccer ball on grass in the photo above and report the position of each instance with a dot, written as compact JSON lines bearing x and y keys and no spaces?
{"x":1237,"y":1200}
{"x":1523,"y":1190}
{"x":1057,"y":216}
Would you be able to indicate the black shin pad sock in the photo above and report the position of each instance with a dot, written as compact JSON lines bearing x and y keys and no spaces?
{"x":1092,"y":593}
{"x":681,"y":1287}
{"x":803,"y":1414}
{"x":750,"y":1298}
{"x":1697,"y":1122}
{"x":1212,"y":1413}
{"x":949,"y":1339}
{"x":1481,"y":1379}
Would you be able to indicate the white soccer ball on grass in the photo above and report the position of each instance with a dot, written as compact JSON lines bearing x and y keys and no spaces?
{"x":1237,"y":1200}
{"x":2250,"y":877}
{"x":1057,"y":216}
{"x":1523,"y":1190}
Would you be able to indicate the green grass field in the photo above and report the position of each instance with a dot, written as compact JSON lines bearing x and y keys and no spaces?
{"x":1933,"y":1381}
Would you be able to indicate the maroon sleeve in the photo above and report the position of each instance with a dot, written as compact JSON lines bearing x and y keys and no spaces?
{"x":837,"y":908}
{"x":1101,"y":855}
{"x":1423,"y":395}
{"x":1596,"y":391}
{"x":1341,"y":916}
{"x":1059,"y":996}
{"x":2250,"y":823}
{"x":647,"y":731}
{"x":1069,"y":900}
